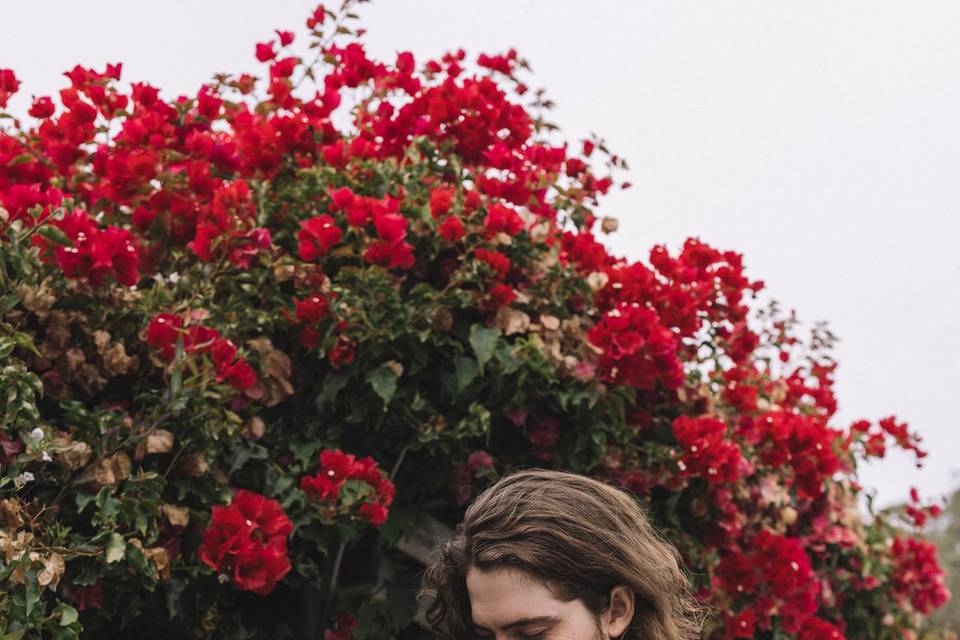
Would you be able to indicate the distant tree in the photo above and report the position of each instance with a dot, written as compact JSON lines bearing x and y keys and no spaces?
{"x":946,"y":535}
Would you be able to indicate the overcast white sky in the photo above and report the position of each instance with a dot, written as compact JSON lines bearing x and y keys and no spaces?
{"x":821,"y":139}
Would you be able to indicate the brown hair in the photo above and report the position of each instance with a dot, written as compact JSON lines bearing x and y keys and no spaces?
{"x":577,"y":536}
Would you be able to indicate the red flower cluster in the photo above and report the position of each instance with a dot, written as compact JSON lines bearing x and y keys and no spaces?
{"x":637,"y":350}
{"x":502,"y":63}
{"x":165,"y":329}
{"x":775,"y":575}
{"x":502,"y":219}
{"x":94,"y":253}
{"x":247,"y":540}
{"x":917,"y":513}
{"x":699,"y":287}
{"x":499,"y":263}
{"x":818,"y":629}
{"x":391,"y":250}
{"x":477,"y":462}
{"x":336,"y":468}
{"x":917,"y":576}
{"x":708,"y":454}
{"x":802,"y":442}
{"x":226,"y":227}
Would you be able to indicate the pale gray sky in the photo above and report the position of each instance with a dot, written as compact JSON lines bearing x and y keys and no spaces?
{"x":821,"y":139}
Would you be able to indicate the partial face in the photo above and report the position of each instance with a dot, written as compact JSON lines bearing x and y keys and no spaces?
{"x":508,"y":605}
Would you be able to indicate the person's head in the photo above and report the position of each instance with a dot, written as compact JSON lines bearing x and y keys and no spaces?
{"x":558,"y":556}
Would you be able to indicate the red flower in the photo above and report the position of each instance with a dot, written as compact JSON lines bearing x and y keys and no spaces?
{"x":544,"y":432}
{"x":259,"y":569}
{"x":479,"y":459}
{"x":502,"y":294}
{"x":440,"y":200}
{"x":343,"y":629}
{"x":391,"y":228}
{"x":248,"y":541}
{"x":265,"y":514}
{"x":317,"y":236}
{"x":223,"y":352}
{"x":341,"y":199}
{"x":86,"y":596}
{"x":451,"y":229}
{"x":818,"y":629}
{"x":495,"y":260}
{"x":501,"y":218}
{"x":320,"y":487}
{"x":162,"y":333}
{"x":337,"y":465}
{"x":310,"y":338}
{"x":42,"y":108}
{"x":240,"y":375}
{"x":8,"y":86}
{"x":200,"y":339}
{"x":742,"y":625}
{"x":342,"y":353}
{"x":317,"y":17}
{"x":284,"y":68}
{"x":391,"y":256}
{"x":313,"y":309}
{"x":375,"y":513}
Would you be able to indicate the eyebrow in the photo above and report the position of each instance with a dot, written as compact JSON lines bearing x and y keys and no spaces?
{"x":524,"y":621}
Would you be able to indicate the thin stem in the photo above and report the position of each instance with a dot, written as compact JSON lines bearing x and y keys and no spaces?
{"x":396,"y":465}
{"x":330,"y":588}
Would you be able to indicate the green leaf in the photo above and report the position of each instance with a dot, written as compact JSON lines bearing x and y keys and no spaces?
{"x":15,"y":635}
{"x":24,"y":341}
{"x":484,"y":342}
{"x":8,"y":302}
{"x":332,"y":385}
{"x":83,"y":499}
{"x":383,"y":379}
{"x":402,"y":600}
{"x":68,"y":615}
{"x":33,"y":588}
{"x":54,"y":235}
{"x":244,"y":453}
{"x":116,"y":546}
{"x":23,"y":158}
{"x":175,"y":587}
{"x":467,"y":370}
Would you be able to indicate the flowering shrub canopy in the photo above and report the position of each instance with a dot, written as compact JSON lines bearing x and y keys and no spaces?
{"x":222,"y":313}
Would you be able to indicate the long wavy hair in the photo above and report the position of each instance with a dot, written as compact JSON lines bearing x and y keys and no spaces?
{"x":575,"y":535}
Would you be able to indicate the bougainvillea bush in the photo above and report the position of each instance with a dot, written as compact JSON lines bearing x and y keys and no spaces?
{"x":252,"y":337}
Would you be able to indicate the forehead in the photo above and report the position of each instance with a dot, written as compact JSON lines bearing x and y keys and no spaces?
{"x":502,"y":595}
